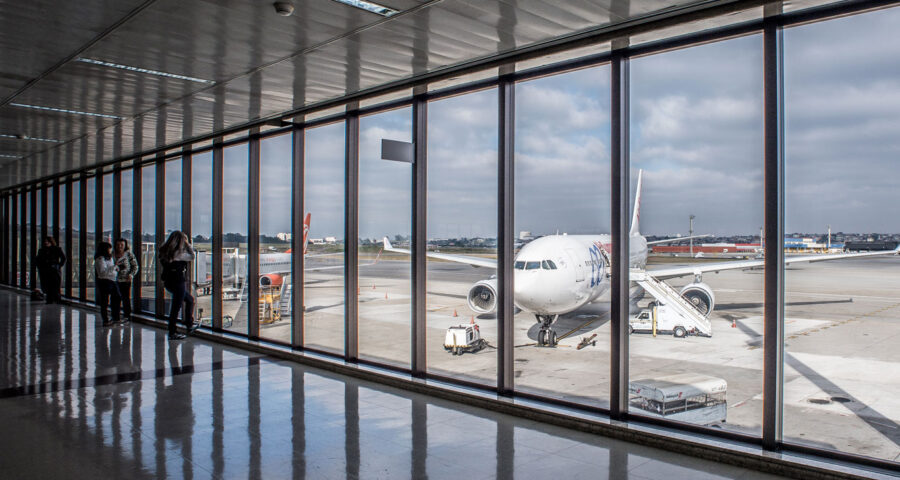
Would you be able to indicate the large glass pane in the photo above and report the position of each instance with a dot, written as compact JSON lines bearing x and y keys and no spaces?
{"x":91,"y":214}
{"x":76,"y":239}
{"x":106,"y":234}
{"x":842,"y":122}
{"x":61,"y":208}
{"x":562,"y":219}
{"x":126,"y":220}
{"x":385,"y":205}
{"x":148,"y":239}
{"x":323,"y":283}
{"x":26,"y":262}
{"x":275,"y":283}
{"x":172,"y":210}
{"x":201,"y":231}
{"x":234,"y":236}
{"x":697,"y":135}
{"x":462,"y":221}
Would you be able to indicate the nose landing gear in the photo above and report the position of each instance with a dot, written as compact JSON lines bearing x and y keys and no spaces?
{"x":546,"y":336}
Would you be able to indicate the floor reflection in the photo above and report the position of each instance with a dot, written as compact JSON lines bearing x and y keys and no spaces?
{"x":124,"y":402}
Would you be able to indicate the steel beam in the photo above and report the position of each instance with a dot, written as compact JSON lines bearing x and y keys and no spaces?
{"x":298,"y":235}
{"x":351,"y":239}
{"x":773,"y":311}
{"x":620,"y":193}
{"x":252,"y":278}
{"x":506,"y":309}
{"x":418,"y":295}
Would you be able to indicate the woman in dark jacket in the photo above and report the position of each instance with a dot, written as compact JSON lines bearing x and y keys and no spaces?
{"x":176,"y":255}
{"x":49,"y":261}
{"x":128,"y":268}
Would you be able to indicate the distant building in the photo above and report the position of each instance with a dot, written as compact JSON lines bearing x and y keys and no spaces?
{"x":330,"y":240}
{"x":317,"y":241}
{"x":525,"y":235}
{"x":284,"y":237}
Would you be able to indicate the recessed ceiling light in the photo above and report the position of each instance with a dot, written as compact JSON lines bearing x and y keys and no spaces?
{"x":143,"y":70}
{"x":63,"y":110}
{"x":3,"y":155}
{"x":369,"y":7}
{"x":26,"y":137}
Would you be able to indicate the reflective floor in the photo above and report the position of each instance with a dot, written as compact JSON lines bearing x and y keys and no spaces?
{"x":81,"y":401}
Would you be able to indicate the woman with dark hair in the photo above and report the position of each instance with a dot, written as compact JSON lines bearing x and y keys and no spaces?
{"x":49,"y":261}
{"x":105,"y":272}
{"x":175,"y":255}
{"x":128,"y":268}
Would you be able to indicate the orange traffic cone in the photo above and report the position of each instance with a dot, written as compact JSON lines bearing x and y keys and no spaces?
{"x":472,"y":321}
{"x":385,"y":296}
{"x":733,"y":323}
{"x":454,"y":313}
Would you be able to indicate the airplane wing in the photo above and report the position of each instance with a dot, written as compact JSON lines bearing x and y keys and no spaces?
{"x":673,"y":272}
{"x":473,"y":261}
{"x":677,"y":239}
{"x":334,"y":267}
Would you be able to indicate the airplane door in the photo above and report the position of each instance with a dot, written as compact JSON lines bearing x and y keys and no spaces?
{"x":579,"y":268}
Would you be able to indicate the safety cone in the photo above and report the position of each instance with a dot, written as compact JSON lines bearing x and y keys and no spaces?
{"x":472,"y":320}
{"x":454,"y":313}
{"x":733,"y":323}
{"x":385,"y":296}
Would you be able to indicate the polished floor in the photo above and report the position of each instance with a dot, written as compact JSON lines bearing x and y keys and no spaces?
{"x":81,"y":401}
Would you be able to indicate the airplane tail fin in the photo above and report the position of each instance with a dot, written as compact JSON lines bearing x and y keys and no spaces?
{"x":636,"y":216}
{"x":306,"y":231}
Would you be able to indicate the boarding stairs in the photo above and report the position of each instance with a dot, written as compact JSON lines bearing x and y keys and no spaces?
{"x":666,"y":295}
{"x":284,"y":304}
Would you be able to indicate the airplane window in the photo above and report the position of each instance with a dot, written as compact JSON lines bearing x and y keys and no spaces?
{"x":520,"y":265}
{"x":533,"y":266}
{"x":549,"y":265}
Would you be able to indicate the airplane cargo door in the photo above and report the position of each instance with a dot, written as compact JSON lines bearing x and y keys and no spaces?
{"x":579,"y":268}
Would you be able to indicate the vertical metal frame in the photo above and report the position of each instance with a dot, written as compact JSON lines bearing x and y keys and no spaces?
{"x":160,"y":231}
{"x":68,"y":233}
{"x":252,"y":278}
{"x":56,"y":215}
{"x":418,"y":296}
{"x":44,"y":217}
{"x":298,"y":235}
{"x":4,"y":240}
{"x":13,"y":235}
{"x":23,"y":239}
{"x":137,"y":236}
{"x":620,"y":193}
{"x":116,"y":204}
{"x":187,"y":219}
{"x":98,"y":208}
{"x":33,"y":241}
{"x":506,"y":309}
{"x":351,"y":239}
{"x":82,"y":236}
{"x":218,"y":186}
{"x":773,"y":311}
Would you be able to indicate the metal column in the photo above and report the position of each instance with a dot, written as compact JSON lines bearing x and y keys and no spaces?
{"x":419,"y":237}
{"x":98,"y":209}
{"x":186,"y":194}
{"x":44,"y":219}
{"x":218,"y":185}
{"x":298,"y":236}
{"x":160,"y":232}
{"x":69,"y":237}
{"x":620,"y":193}
{"x":56,"y":215}
{"x":116,"y":204}
{"x":137,"y":211}
{"x":351,"y":239}
{"x":252,"y":278}
{"x":33,"y":241}
{"x":506,"y":309}
{"x":23,"y":240}
{"x":773,"y":312}
{"x":82,"y":236}
{"x":13,"y":235}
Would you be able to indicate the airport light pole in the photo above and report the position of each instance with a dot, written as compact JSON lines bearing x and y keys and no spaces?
{"x":691,"y":234}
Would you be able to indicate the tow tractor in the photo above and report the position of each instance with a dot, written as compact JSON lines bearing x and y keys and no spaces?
{"x":662,"y":319}
{"x":464,"y":338}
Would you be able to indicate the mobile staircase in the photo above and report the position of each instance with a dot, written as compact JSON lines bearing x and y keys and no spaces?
{"x":694,"y":321}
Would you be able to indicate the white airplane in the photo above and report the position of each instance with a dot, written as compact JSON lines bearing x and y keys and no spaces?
{"x":558,"y":274}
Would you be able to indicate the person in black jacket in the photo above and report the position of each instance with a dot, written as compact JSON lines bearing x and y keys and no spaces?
{"x":175,"y":256}
{"x":49,"y":261}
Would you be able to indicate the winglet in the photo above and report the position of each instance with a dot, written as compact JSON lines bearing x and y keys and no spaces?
{"x":636,"y":216}
{"x":387,"y":244}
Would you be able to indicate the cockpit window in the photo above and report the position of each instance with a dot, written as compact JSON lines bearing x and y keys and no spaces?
{"x":533,"y":266}
{"x":548,"y":265}
{"x":520,"y":265}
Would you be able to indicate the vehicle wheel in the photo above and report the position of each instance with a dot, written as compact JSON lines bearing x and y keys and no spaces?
{"x":456,"y":350}
{"x":552,"y":340}
{"x":541,"y":335}
{"x":680,"y":332}
{"x":630,"y":329}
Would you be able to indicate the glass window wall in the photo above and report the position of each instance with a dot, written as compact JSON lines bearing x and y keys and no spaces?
{"x":172,"y":211}
{"x":91,"y":214}
{"x":106,"y":234}
{"x":77,"y":261}
{"x":234,"y":238}
{"x":148,"y":238}
{"x":201,"y":233}
{"x":275,"y":282}
{"x":323,"y":282}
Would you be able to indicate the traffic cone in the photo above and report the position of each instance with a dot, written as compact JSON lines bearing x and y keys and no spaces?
{"x":472,"y":320}
{"x":454,"y":313}
{"x":733,"y":323}
{"x":385,"y":295}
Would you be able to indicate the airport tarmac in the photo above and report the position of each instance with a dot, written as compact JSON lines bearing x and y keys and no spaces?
{"x":842,"y":382}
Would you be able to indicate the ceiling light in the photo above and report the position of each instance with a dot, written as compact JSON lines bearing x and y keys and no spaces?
{"x":63,"y":110}
{"x":285,"y":9}
{"x":26,"y":137}
{"x":143,"y":70}
{"x":369,"y":7}
{"x":3,"y":155}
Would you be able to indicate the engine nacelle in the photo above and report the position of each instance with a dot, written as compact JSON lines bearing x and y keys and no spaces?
{"x":701,"y":296}
{"x":271,"y":280}
{"x":482,"y":296}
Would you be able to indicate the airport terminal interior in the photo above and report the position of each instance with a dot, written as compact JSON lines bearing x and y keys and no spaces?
{"x":444,"y":238}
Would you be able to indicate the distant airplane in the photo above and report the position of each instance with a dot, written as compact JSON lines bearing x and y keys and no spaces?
{"x":558,"y":274}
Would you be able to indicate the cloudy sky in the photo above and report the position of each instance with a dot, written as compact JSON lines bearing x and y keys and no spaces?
{"x":696,"y":131}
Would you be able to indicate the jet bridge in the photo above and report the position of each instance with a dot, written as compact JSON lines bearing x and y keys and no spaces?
{"x":692,"y":319}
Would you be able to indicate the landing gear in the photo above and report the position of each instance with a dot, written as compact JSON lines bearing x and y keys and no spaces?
{"x":546,"y":336}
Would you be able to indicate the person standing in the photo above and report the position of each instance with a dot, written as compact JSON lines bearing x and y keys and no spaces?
{"x":128,"y":268}
{"x":175,"y":255}
{"x":49,"y":261}
{"x":105,"y":273}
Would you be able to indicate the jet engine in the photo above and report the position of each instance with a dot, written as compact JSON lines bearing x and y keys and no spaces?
{"x":271,"y":280}
{"x":482,"y":296}
{"x":701,"y":296}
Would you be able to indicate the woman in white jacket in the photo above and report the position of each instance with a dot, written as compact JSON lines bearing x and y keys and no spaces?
{"x":105,"y":272}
